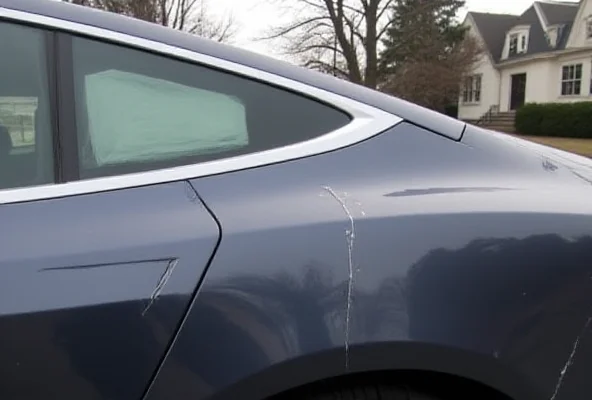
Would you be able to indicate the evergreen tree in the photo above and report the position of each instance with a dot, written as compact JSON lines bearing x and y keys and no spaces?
{"x":427,"y":52}
{"x":421,"y":29}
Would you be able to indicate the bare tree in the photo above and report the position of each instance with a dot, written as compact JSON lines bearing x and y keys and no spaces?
{"x":191,"y":16}
{"x":427,"y":52}
{"x":431,"y":79}
{"x":206,"y":25}
{"x":336,"y":36}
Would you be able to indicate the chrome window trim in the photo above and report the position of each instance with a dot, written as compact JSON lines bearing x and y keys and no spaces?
{"x":366,"y":122}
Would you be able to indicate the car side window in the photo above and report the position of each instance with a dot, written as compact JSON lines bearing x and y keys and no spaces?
{"x":138,"y":111}
{"x":26,"y":141}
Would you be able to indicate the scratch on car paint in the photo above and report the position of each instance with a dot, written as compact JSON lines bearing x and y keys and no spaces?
{"x":111,"y":264}
{"x":360,"y":207}
{"x":570,"y":360}
{"x":164,"y":278}
{"x":548,"y":165}
{"x":350,"y":235}
{"x":191,"y":193}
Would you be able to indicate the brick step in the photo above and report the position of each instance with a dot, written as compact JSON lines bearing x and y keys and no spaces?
{"x":499,"y":121}
{"x":504,"y":115}
{"x":497,"y":124}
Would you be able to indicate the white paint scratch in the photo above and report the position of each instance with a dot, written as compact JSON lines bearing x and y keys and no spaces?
{"x":164,"y":278}
{"x":350,"y":236}
{"x":570,"y":360}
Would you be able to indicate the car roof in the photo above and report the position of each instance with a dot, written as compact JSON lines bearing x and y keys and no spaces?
{"x":428,"y":119}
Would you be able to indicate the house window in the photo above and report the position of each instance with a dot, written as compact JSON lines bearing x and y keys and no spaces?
{"x":472,"y":89}
{"x":589,"y":28}
{"x":513,"y":44}
{"x":518,"y":43}
{"x":571,"y":80}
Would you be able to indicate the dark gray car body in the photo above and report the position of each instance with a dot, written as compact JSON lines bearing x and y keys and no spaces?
{"x":431,"y":247}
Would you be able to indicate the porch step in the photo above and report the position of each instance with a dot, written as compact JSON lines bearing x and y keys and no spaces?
{"x":502,"y":121}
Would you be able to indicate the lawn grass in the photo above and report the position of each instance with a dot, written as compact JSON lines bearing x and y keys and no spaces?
{"x":577,"y":146}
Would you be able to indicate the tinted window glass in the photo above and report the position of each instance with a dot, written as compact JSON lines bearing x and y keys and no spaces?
{"x":138,"y":111}
{"x":26,"y":147}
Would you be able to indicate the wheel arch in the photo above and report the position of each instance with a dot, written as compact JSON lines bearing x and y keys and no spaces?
{"x":380,"y":358}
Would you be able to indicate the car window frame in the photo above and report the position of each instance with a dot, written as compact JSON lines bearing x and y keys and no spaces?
{"x":66,"y":43}
{"x":367,"y":121}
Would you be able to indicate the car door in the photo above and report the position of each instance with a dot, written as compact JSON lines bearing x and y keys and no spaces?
{"x":95,"y":275}
{"x":105,"y":241}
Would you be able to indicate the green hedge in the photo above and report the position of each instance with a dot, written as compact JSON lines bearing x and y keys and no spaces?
{"x":451,"y":110}
{"x":572,"y":120}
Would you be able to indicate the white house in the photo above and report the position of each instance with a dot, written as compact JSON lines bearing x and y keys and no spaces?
{"x":543,"y":55}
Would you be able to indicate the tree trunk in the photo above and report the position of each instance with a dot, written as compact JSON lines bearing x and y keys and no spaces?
{"x":349,"y":51}
{"x":371,"y":75}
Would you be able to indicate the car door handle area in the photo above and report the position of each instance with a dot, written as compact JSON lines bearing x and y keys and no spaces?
{"x":77,"y":285}
{"x":93,"y":288}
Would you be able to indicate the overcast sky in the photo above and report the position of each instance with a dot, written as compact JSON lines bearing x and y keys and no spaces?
{"x":254,"y":17}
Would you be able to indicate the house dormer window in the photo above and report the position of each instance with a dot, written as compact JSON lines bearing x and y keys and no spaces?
{"x":589,"y":28}
{"x":517,"y":42}
{"x":554,"y":34}
{"x":514,"y":44}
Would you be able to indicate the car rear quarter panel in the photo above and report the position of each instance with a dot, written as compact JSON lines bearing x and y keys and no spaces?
{"x":442,"y":255}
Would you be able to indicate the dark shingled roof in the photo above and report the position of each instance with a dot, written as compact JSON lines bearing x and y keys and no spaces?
{"x":537,"y":40}
{"x":559,"y":13}
{"x":562,"y":42}
{"x":493,"y":27}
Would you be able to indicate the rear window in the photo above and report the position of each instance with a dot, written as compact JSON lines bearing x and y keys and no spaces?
{"x":138,"y":111}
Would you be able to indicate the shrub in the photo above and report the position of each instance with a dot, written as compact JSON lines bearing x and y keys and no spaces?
{"x":451,"y":110}
{"x":572,"y":120}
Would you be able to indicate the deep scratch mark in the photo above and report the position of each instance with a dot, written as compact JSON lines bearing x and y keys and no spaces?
{"x":191,"y":193}
{"x":164,"y":278}
{"x":111,"y":264}
{"x":350,"y":236}
{"x":571,"y":358}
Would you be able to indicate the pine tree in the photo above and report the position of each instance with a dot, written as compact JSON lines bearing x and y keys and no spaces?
{"x":419,"y":25}
{"x":426,"y":52}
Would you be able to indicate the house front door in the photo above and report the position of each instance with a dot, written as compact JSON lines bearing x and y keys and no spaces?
{"x":518,"y":91}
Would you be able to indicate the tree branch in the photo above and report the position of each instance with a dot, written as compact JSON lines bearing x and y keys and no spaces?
{"x":381,"y":33}
{"x":294,"y":27}
{"x":323,"y":66}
